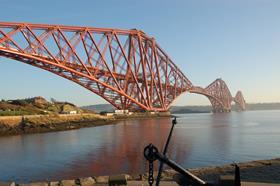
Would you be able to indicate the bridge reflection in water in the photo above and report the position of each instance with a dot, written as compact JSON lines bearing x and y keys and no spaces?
{"x":126,"y":153}
{"x":86,"y":152}
{"x":198,"y":140}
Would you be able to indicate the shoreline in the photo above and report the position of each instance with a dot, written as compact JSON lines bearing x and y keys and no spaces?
{"x":267,"y":171}
{"x":263,"y":171}
{"x":32,"y":124}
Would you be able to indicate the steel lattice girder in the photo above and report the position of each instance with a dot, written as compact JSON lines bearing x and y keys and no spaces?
{"x":219,"y":95}
{"x":125,"y":67}
{"x":240,"y":101}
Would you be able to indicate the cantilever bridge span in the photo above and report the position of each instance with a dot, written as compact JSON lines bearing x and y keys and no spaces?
{"x":125,"y":67}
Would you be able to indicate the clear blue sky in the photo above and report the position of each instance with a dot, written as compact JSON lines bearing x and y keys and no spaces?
{"x":237,"y":40}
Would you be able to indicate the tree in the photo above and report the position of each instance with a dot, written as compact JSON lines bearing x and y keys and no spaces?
{"x":53,"y":100}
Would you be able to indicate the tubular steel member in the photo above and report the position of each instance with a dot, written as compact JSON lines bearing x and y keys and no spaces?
{"x":220,"y":97}
{"x":125,"y":67}
{"x":239,"y":100}
{"x":152,"y":154}
{"x":218,"y":93}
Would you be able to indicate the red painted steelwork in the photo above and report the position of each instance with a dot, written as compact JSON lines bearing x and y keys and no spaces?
{"x":125,"y":67}
{"x":220,"y":96}
{"x":239,"y":100}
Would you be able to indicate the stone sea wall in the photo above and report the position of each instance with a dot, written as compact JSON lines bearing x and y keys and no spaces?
{"x":265,"y":171}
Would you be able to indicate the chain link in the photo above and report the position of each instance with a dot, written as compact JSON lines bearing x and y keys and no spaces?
{"x":151,"y":173}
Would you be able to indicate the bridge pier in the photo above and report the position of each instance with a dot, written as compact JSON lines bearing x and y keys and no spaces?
{"x":221,"y":110}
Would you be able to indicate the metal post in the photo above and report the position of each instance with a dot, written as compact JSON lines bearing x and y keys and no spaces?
{"x":174,"y":122}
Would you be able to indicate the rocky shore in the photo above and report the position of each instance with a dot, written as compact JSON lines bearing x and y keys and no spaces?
{"x":265,"y":171}
{"x":14,"y":125}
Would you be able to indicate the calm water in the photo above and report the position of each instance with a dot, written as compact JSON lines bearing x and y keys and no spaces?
{"x":198,"y":140}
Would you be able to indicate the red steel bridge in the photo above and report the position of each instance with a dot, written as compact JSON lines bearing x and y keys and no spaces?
{"x":125,"y":67}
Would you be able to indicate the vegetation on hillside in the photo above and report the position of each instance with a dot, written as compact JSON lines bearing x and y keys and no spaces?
{"x":37,"y":105}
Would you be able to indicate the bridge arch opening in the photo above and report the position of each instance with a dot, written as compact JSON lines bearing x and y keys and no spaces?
{"x":127,"y":68}
{"x":31,"y":82}
{"x":195,"y":102}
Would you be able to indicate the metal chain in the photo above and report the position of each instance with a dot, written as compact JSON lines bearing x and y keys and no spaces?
{"x":151,"y":173}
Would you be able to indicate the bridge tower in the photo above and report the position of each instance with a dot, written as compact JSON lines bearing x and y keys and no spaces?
{"x":127,"y":68}
{"x":220,"y":96}
{"x":240,"y":101}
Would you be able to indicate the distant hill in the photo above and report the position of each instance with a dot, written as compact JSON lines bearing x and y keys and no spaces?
{"x":99,"y":108}
{"x":205,"y":109}
{"x":263,"y":106}
{"x":191,"y":109}
{"x":175,"y":109}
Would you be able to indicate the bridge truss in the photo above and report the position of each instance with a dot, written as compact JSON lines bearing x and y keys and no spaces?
{"x":125,"y":67}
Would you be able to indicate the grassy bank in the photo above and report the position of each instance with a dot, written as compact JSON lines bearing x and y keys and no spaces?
{"x":13,"y":125}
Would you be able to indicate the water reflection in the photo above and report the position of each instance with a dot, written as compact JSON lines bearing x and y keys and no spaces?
{"x":86,"y":152}
{"x":220,"y":133}
{"x":126,"y":153}
{"x":198,"y":140}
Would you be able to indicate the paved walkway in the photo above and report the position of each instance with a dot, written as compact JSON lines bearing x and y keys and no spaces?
{"x":171,"y":183}
{"x":258,"y":184}
{"x":145,"y":183}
